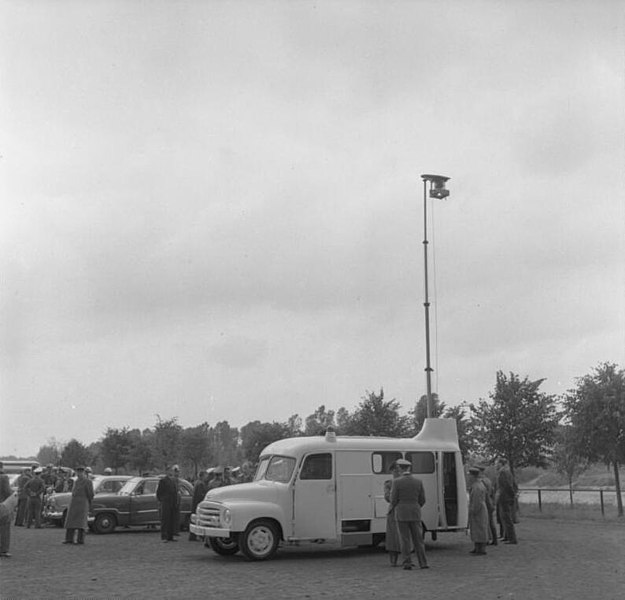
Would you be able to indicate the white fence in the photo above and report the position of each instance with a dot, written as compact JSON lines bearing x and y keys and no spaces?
{"x":583,"y":496}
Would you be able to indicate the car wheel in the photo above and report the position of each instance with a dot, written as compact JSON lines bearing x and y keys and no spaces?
{"x":260,"y":540}
{"x":105,"y":523}
{"x":224,"y":546}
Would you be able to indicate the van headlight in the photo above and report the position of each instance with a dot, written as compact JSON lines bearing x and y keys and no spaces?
{"x":226,"y":517}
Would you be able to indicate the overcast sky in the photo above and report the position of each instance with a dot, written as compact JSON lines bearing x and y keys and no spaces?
{"x":214,"y":211}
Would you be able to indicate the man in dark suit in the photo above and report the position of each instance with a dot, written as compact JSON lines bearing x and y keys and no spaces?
{"x":167,"y":495}
{"x":407,"y":498}
{"x":506,"y":493}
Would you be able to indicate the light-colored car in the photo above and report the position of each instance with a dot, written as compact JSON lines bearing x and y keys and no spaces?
{"x":56,"y":504}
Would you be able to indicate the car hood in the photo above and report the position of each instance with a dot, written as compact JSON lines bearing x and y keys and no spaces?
{"x":259,"y":491}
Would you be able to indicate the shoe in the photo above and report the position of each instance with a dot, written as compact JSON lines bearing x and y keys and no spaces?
{"x":407,"y":567}
{"x":67,"y":542}
{"x":80,"y":543}
{"x":510,"y":542}
{"x":495,"y":543}
{"x":473,"y":551}
{"x":425,"y":566}
{"x":5,"y":555}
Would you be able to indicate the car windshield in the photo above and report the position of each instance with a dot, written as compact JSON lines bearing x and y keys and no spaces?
{"x":129,"y":487}
{"x":275,"y":468}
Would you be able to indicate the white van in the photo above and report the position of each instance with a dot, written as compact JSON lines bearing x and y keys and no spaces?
{"x":332,"y":489}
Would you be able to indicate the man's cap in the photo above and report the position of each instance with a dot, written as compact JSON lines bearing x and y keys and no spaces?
{"x":80,"y":468}
{"x":218,"y":470}
{"x":474,"y":470}
{"x":176,"y":468}
{"x":402,"y":462}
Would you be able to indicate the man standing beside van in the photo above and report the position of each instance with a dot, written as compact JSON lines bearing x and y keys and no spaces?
{"x":407,"y":498}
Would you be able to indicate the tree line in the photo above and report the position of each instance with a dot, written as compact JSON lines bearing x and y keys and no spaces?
{"x":517,"y":421}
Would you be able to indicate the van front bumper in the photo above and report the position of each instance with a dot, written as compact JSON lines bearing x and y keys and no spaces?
{"x":209,"y":531}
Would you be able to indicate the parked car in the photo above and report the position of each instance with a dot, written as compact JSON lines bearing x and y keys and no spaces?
{"x":136,"y":505}
{"x":55,"y":506}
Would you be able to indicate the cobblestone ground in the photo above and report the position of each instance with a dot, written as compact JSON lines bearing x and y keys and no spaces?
{"x":554,"y":560}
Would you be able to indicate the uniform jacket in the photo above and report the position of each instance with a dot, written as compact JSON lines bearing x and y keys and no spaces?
{"x":78,"y":511}
{"x":22,"y":480}
{"x":35,"y":487}
{"x":199,"y":491}
{"x":407,"y":497}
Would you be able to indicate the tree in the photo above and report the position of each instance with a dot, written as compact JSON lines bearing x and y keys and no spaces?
{"x":50,"y":453}
{"x":115,"y":448}
{"x":256,"y":435}
{"x":565,"y":456}
{"x":196,"y":447}
{"x":319,"y":421}
{"x":224,"y":442}
{"x":140,"y":454}
{"x":166,"y":442}
{"x":464,"y":425}
{"x":519,"y":423}
{"x":75,"y":454}
{"x":375,"y":416}
{"x":294,"y":426}
{"x":420,"y":411}
{"x":596,"y":412}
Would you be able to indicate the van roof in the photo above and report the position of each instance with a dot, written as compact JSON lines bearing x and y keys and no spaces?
{"x":437,"y":434}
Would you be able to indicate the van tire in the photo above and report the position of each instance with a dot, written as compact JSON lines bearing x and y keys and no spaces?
{"x":260,"y":540}
{"x":223,"y":546}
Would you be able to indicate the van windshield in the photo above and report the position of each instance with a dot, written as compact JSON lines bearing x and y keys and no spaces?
{"x":275,"y":468}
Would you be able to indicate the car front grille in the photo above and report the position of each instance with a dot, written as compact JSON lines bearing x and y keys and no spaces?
{"x":207,"y":515}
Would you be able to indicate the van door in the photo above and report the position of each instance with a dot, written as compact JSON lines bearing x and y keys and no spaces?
{"x":314,"y":504}
{"x":424,"y":467}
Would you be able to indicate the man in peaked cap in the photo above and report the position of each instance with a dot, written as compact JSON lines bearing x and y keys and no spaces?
{"x":478,"y":512}
{"x":407,"y":498}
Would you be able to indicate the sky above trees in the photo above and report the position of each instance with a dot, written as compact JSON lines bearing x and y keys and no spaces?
{"x":213,"y":210}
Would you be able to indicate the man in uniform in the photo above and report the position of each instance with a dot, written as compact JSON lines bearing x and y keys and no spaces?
{"x":506,"y":496}
{"x":407,"y":498}
{"x":22,"y":496}
{"x":167,"y":495}
{"x":35,"y":489}
{"x":199,"y":491}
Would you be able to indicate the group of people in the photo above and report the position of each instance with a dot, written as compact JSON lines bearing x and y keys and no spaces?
{"x":169,"y":497}
{"x":487,"y":499}
{"x":405,"y":494}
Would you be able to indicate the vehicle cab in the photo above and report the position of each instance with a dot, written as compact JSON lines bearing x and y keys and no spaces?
{"x":331,"y":488}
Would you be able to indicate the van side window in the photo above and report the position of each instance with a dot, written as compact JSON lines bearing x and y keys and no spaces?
{"x":381,"y":461}
{"x":317,"y":466}
{"x":422,"y":462}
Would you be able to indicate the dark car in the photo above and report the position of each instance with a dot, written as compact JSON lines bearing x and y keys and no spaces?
{"x":56,"y":504}
{"x":136,"y":505}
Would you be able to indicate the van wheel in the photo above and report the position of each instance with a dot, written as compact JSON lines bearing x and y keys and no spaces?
{"x":105,"y":523}
{"x":224,"y":546}
{"x":260,"y":540}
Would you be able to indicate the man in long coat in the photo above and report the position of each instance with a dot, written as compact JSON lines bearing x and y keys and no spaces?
{"x":392,"y":541}
{"x":7,"y":507}
{"x":407,"y":498}
{"x":490,"y":505}
{"x":167,"y":495}
{"x":79,"y":507}
{"x":478,"y":512}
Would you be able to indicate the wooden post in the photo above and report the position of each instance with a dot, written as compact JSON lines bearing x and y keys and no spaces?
{"x":602,"y":506}
{"x":540,"y":501}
